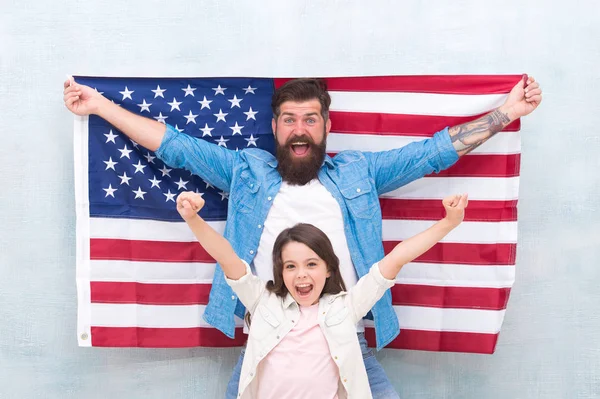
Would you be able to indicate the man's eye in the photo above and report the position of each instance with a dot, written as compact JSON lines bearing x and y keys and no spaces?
{"x":288,"y":120}
{"x":310,"y":121}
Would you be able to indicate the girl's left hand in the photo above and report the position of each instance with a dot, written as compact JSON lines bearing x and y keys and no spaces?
{"x":455,"y":208}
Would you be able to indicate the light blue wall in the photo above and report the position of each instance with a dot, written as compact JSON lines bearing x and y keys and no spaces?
{"x":550,"y":342}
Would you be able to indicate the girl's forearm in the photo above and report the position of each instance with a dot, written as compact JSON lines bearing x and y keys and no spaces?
{"x":413,"y":247}
{"x":218,"y":247}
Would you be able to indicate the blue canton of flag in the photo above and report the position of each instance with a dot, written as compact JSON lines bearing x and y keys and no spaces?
{"x":127,"y":180}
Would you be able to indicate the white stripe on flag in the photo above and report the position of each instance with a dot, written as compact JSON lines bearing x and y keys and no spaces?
{"x":415,"y":103}
{"x":187,"y":316}
{"x":151,"y":230}
{"x":503,"y":143}
{"x":438,"y":274}
{"x":478,"y":188}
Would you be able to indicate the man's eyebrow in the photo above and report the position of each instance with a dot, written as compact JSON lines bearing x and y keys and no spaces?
{"x":306,"y":114}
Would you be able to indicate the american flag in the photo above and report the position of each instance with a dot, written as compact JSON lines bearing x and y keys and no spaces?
{"x":143,"y":281}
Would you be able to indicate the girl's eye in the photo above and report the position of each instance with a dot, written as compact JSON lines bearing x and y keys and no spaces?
{"x":289,"y":266}
{"x":312,"y":264}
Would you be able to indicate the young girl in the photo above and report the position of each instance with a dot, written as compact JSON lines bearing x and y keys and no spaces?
{"x":302,"y":341}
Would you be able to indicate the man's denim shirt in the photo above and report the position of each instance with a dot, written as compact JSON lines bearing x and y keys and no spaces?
{"x":355,"y":179}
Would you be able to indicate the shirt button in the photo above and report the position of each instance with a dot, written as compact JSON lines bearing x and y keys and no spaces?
{"x":323,"y":312}
{"x":251,"y":374}
{"x":335,"y":357}
{"x":278,"y":337}
{"x":259,"y":226}
{"x":251,"y":185}
{"x":233,"y":297}
{"x":358,"y":190}
{"x":345,"y":380}
{"x":251,"y":251}
{"x":269,"y":198}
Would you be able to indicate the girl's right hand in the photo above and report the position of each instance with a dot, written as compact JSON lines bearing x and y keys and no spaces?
{"x":455,"y":208}
{"x":189,"y":204}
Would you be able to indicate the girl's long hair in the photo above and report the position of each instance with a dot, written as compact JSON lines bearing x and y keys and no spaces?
{"x":316,"y":240}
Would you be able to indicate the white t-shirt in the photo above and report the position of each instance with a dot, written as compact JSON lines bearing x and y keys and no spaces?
{"x":313,"y":204}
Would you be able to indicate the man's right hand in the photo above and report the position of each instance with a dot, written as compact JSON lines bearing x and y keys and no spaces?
{"x":81,"y":99}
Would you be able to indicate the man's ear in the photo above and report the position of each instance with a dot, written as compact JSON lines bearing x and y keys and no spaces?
{"x":273,"y":126}
{"x":327,"y":126}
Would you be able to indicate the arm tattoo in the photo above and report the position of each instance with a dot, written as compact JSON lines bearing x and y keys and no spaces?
{"x":468,"y":136}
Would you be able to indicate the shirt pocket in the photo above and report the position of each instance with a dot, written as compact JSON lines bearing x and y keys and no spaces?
{"x":245,"y":195}
{"x":263,"y":323}
{"x":360,"y":199}
{"x":340,"y":325}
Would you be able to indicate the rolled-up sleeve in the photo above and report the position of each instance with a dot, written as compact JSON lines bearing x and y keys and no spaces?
{"x":395,"y":168}
{"x":249,"y":288}
{"x":211,"y":162}
{"x":367,"y":291}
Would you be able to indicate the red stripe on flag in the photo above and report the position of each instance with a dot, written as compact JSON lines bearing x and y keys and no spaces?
{"x":444,"y":84}
{"x":443,"y":341}
{"x":149,"y":251}
{"x":450,"y":297}
{"x":149,"y":294}
{"x":198,"y":294}
{"x":480,"y":166}
{"x":164,"y":337}
{"x":162,"y":251}
{"x":483,"y":166}
{"x":421,"y":209}
{"x":400,"y":124}
{"x":469,"y":254}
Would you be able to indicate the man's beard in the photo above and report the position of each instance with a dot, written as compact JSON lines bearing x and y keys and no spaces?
{"x":300,"y":171}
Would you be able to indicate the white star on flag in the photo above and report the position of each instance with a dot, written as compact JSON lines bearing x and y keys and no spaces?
{"x":206,"y":130}
{"x":126,"y":94}
{"x":155,"y":182}
{"x":235,"y":102}
{"x":251,"y":140}
{"x":250,"y":114}
{"x":190,"y":118}
{"x":139,"y":193}
{"x":158,"y":92}
{"x":170,"y":196}
{"x":236,"y":129}
{"x":110,"y":164}
{"x":160,"y":117}
{"x":111,"y":136}
{"x":175,"y":105}
{"x":221,"y":116}
{"x":124,"y":178}
{"x":139,"y":167}
{"x":125,"y":152}
{"x":149,"y":158}
{"x":205,"y":103}
{"x":110,"y":191}
{"x":181,"y":184}
{"x":222,"y":142}
{"x":249,"y":89}
{"x":144,"y":106}
{"x":189,"y":91}
{"x":219,"y":90}
{"x":165,"y":171}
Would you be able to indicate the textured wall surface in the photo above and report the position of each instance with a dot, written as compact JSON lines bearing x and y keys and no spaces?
{"x":549,"y":346}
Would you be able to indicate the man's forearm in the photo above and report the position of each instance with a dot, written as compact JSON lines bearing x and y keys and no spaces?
{"x":144,"y":131}
{"x":468,"y":136}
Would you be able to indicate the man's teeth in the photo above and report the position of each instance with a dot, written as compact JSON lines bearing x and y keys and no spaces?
{"x":299,"y":143}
